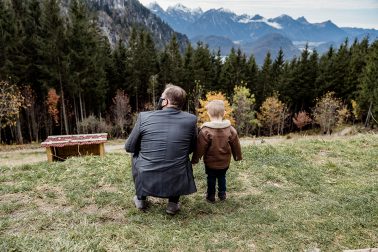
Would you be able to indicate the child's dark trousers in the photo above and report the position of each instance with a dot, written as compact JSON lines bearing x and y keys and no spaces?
{"x":212,"y":176}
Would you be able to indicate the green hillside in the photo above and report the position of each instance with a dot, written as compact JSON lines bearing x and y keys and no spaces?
{"x":285,"y":197}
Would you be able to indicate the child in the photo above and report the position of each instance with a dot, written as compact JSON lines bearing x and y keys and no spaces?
{"x":216,"y":141}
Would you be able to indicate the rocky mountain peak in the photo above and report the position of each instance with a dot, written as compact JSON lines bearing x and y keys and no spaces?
{"x":155,"y":7}
{"x":302,"y":20}
{"x":257,"y":17}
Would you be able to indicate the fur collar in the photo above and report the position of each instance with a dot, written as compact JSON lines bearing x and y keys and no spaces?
{"x":217,"y":125}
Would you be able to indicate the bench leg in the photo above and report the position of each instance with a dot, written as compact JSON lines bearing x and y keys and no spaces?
{"x":49,"y":154}
{"x":102,"y":149}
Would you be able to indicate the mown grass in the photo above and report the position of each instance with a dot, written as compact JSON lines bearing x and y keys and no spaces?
{"x":286,"y":197}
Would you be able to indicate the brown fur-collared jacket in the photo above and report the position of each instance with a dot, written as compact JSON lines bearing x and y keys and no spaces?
{"x":216,"y":141}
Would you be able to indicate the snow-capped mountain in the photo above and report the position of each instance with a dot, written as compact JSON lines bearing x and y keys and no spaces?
{"x":300,"y":29}
{"x":244,"y":30}
{"x":116,"y":18}
{"x":178,"y":17}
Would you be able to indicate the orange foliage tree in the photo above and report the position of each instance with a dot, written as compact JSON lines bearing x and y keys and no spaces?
{"x":52,"y":104}
{"x":301,"y":119}
{"x":211,"y":96}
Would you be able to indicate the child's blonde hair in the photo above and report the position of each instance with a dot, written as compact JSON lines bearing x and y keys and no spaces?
{"x":215,"y":108}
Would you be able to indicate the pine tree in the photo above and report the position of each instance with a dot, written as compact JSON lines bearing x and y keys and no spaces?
{"x":87,"y":80}
{"x":325,"y":80}
{"x":100,"y":83}
{"x":33,"y":47}
{"x":242,"y":67}
{"x":176,"y":60}
{"x":148,"y":66}
{"x":277,"y":69}
{"x":202,"y":64}
{"x":117,"y":76}
{"x":141,"y":64}
{"x":171,"y":64}
{"x":368,"y":87}
{"x":217,"y":65}
{"x":132,"y":68}
{"x":340,"y":74}
{"x":52,"y":48}
{"x":19,"y":65}
{"x":235,"y":70}
{"x":357,"y":63}
{"x":188,"y":69}
{"x":304,"y":82}
{"x":252,"y":74}
{"x":188,"y":80}
{"x":7,"y":28}
{"x":285,"y":90}
{"x":228,"y":77}
{"x":264,"y":86}
{"x":29,"y":73}
{"x":165,"y":67}
{"x":52,"y":44}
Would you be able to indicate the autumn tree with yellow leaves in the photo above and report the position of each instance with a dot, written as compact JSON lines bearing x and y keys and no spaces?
{"x":211,"y":96}
{"x":243,"y":103}
{"x":11,"y":102}
{"x":273,"y":114}
{"x":326,"y":111}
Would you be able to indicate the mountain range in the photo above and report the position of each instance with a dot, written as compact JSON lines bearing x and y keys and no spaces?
{"x":116,"y":18}
{"x":221,"y":28}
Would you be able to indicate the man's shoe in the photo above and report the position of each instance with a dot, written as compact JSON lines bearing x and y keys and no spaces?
{"x":222,"y":196}
{"x":140,"y":204}
{"x":172,"y":208}
{"x":210,"y":198}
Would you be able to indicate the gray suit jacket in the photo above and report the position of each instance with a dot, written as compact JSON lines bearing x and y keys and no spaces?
{"x":161,"y":142}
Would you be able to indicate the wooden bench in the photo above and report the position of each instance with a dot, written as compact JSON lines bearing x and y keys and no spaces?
{"x":59,"y":148}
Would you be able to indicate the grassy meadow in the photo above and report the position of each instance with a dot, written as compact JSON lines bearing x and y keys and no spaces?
{"x":290,"y":196}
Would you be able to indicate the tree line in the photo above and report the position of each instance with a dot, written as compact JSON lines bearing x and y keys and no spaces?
{"x":60,"y":75}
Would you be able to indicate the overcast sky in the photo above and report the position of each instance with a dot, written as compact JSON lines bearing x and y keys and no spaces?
{"x":344,"y":13}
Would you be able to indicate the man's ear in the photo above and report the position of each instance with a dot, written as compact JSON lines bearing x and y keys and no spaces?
{"x":165,"y":102}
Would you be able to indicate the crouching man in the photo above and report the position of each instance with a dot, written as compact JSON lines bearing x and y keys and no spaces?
{"x":161,"y":142}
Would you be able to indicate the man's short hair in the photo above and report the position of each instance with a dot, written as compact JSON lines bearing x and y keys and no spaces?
{"x":176,"y":95}
{"x":215,"y":108}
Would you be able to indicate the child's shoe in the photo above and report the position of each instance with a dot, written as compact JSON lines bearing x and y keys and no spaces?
{"x":222,"y":196}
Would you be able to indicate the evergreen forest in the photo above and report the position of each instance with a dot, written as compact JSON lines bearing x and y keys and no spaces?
{"x":60,"y":75}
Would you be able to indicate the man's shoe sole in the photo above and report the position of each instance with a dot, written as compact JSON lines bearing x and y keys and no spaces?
{"x":143,"y":204}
